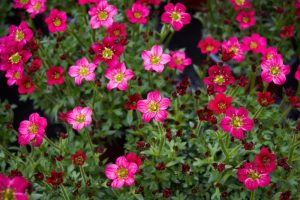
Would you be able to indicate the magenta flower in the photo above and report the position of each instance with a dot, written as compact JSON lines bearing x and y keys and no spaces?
{"x":82,"y":70}
{"x":79,"y":117}
{"x":155,"y":59}
{"x":236,"y":121}
{"x":233,"y":47}
{"x":251,"y":176}
{"x":246,"y":19}
{"x":118,"y":76}
{"x":297,"y":74}
{"x":57,"y":21}
{"x":154,"y":106}
{"x":25,"y":85}
{"x":13,"y":188}
{"x":21,"y":33}
{"x":14,"y":75}
{"x":122,"y":173}
{"x":175,"y":15}
{"x":255,"y":43}
{"x":265,"y":161}
{"x":219,"y":78}
{"x":240,"y":4}
{"x":209,"y":45}
{"x":55,"y":75}
{"x":138,"y":13}
{"x":82,"y":2}
{"x":22,"y":4}
{"x":102,"y":14}
{"x":32,"y":130}
{"x":178,"y":60}
{"x":116,"y":30}
{"x":36,"y":7}
{"x":269,"y":53}
{"x":274,"y":71}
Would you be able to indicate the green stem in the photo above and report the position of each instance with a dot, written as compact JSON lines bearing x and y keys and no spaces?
{"x":252,"y":195}
{"x":77,"y":38}
{"x":257,"y":112}
{"x":83,"y":174}
{"x":65,"y":194}
{"x":89,"y":140}
{"x":162,"y":138}
{"x":223,"y":147}
{"x":52,"y":143}
{"x":292,"y":149}
{"x":252,"y":82}
{"x":286,"y":112}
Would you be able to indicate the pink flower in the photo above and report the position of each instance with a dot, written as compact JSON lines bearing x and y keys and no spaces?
{"x":220,"y":104}
{"x":236,"y":121}
{"x":138,"y":13}
{"x":175,"y":15}
{"x":255,"y":43}
{"x":297,"y":4}
{"x":21,"y":33}
{"x":178,"y":60}
{"x":155,"y":59}
{"x":233,"y":47}
{"x":25,"y":85}
{"x":246,"y":19}
{"x":107,"y":51}
{"x":287,"y":32}
{"x":122,"y":173}
{"x":36,"y":7}
{"x":274,"y":71}
{"x":13,"y":188}
{"x":79,"y":117}
{"x":265,"y":161}
{"x":132,"y":157}
{"x":14,"y":75}
{"x":240,"y":4}
{"x":23,"y":4}
{"x":118,"y":76}
{"x":32,"y":130}
{"x":219,"y":78}
{"x":82,"y":2}
{"x":154,"y":106}
{"x":55,"y":75}
{"x":297,"y":74}
{"x":56,"y":21}
{"x":83,"y":70}
{"x":102,"y":14}
{"x":154,"y":2}
{"x":269,"y":53}
{"x":252,"y":178}
{"x":116,"y":30}
{"x":209,"y":45}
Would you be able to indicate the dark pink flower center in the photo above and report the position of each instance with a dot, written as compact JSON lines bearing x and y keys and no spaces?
{"x":122,"y":173}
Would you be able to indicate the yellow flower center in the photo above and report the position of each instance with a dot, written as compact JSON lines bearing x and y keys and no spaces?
{"x":237,"y":122}
{"x":24,"y":2}
{"x":209,"y":48}
{"x":178,"y":61}
{"x":17,"y":75}
{"x":269,"y":56}
{"x":175,"y":16}
{"x":15,"y":58}
{"x":102,"y":15}
{"x":56,"y":75}
{"x":80,"y":118}
{"x":107,"y":53}
{"x":27,"y":85}
{"x":122,"y":173}
{"x":253,"y":175}
{"x":33,"y":128}
{"x":219,"y":79}
{"x":19,"y":35}
{"x":155,"y":60}
{"x":222,"y":106}
{"x":240,"y":2}
{"x":245,"y":19}
{"x":253,"y":45}
{"x":137,"y":15}
{"x":119,"y":77}
{"x":274,"y":70}
{"x":234,"y":50}
{"x":153,"y":107}
{"x":8,"y":194}
{"x":83,"y":71}
{"x":117,"y":32}
{"x":57,"y":22}
{"x":37,"y":6}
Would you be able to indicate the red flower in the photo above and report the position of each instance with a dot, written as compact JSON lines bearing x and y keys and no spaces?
{"x":132,"y":157}
{"x":132,"y":101}
{"x":220,"y":103}
{"x":287,"y":32}
{"x":55,"y":75}
{"x":265,"y":99}
{"x":56,"y":178}
{"x":295,"y":101}
{"x":205,"y":114}
{"x":35,"y":65}
{"x":78,"y":158}
{"x":265,"y":161}
{"x":25,"y":85}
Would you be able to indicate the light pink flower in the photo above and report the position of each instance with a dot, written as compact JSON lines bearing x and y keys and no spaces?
{"x":57,"y":21}
{"x":175,"y":15}
{"x":255,"y":43}
{"x":178,"y":60}
{"x":155,"y":59}
{"x":82,"y":70}
{"x":246,"y":19}
{"x":14,"y":75}
{"x":235,"y":48}
{"x":36,"y":7}
{"x":251,"y":176}
{"x":79,"y":117}
{"x":13,"y":188}
{"x":22,"y":4}
{"x":138,"y":13}
{"x":154,"y":106}
{"x":122,"y":173}
{"x":236,"y":121}
{"x":297,"y":74}
{"x":118,"y":76}
{"x":274,"y":71}
{"x":32,"y":130}
{"x":240,"y":4}
{"x":102,"y":14}
{"x":21,"y":33}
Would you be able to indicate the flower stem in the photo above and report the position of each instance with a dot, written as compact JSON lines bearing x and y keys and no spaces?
{"x":82,"y":174}
{"x":52,"y":143}
{"x":162,"y":138}
{"x":252,"y":195}
{"x":257,"y":112}
{"x":223,"y":147}
{"x":292,"y":149}
{"x":65,"y":194}
{"x":89,"y":139}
